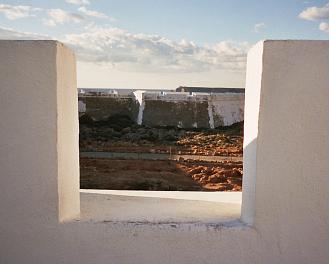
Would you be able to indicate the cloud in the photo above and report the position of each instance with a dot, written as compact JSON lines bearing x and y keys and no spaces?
{"x":8,"y":33}
{"x":315,"y":13}
{"x":78,"y":2}
{"x":324,"y":27}
{"x":259,"y":27}
{"x":59,"y":16}
{"x":153,"y":53}
{"x":92,"y":13}
{"x":114,"y":47}
{"x":15,"y":12}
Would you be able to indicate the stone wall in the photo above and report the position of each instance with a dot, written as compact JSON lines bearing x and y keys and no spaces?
{"x":177,"y":110}
{"x":197,"y":110}
{"x":102,"y":107}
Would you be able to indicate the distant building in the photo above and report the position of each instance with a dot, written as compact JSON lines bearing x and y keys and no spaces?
{"x":120,"y":92}
{"x":104,"y":92}
{"x":208,"y":90}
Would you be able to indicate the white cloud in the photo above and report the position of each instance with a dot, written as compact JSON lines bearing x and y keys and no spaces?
{"x":324,"y":27}
{"x":135,"y":56}
{"x":92,"y":13}
{"x":315,"y":13}
{"x":119,"y":49}
{"x":15,"y":12}
{"x":153,"y":53}
{"x":8,"y":33}
{"x":59,"y":16}
{"x":78,"y":2}
{"x":259,"y":27}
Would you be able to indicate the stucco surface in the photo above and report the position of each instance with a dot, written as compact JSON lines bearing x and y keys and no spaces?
{"x":222,"y":197}
{"x":227,"y":109}
{"x":289,"y":220}
{"x":143,"y":209}
{"x":67,"y":128}
{"x":251,"y":115}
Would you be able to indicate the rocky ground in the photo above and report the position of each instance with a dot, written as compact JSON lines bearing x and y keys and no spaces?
{"x":128,"y":137}
{"x":119,"y":134}
{"x":160,"y":175}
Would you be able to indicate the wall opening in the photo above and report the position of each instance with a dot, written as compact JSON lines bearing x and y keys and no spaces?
{"x":161,"y":156}
{"x":182,"y":140}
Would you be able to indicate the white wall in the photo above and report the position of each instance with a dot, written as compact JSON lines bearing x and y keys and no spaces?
{"x":251,"y":121}
{"x":39,"y":144}
{"x":67,"y":131}
{"x":290,"y":216}
{"x":226,"y":109}
{"x":81,"y":106}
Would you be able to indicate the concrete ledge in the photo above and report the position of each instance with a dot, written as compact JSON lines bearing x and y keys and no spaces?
{"x":160,"y":207}
{"x":222,"y":197}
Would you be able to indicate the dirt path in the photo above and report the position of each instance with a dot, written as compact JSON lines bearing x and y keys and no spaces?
{"x":156,"y":156}
{"x":116,"y":155}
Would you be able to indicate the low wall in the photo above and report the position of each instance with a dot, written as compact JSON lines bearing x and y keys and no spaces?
{"x":168,"y":109}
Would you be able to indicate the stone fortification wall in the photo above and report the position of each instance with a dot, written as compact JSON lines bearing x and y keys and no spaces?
{"x":102,"y":107}
{"x":185,"y":110}
{"x":181,"y":111}
{"x":225,"y":109}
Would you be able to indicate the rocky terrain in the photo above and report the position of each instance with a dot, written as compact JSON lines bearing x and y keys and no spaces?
{"x":121,"y":135}
{"x":157,"y":175}
{"x":125,"y":136}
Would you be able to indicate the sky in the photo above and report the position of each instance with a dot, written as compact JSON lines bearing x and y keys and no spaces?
{"x":163,"y":44}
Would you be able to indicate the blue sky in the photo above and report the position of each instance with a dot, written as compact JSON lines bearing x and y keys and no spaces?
{"x":163,"y":43}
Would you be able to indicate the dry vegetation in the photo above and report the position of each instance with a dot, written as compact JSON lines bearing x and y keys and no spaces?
{"x":184,"y":175}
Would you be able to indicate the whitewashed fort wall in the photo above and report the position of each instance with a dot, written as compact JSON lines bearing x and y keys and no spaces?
{"x":196,"y":110}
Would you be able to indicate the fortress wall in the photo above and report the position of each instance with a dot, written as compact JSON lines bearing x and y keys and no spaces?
{"x":184,"y":114}
{"x":198,"y":110}
{"x":227,"y":108}
{"x":101,"y":107}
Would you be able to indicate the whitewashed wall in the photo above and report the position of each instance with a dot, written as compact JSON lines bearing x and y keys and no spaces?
{"x":225,"y":109}
{"x":81,"y":106}
{"x":287,"y":192}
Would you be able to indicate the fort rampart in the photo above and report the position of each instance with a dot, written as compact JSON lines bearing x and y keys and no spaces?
{"x":179,"y":109}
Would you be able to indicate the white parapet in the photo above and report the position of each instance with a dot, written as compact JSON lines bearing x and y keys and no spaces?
{"x":39,"y":148}
{"x":285,"y":209}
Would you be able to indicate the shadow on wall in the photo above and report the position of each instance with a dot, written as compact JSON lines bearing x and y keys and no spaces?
{"x":249,"y":181}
